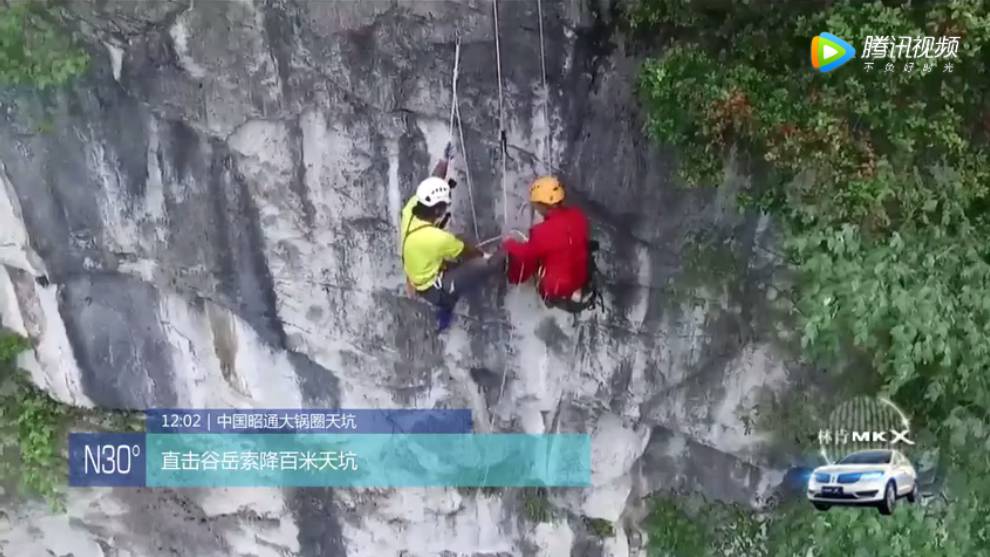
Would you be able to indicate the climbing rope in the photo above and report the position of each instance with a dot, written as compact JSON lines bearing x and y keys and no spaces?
{"x":453,"y":87}
{"x":503,"y":141}
{"x":505,"y":195}
{"x":488,"y":241}
{"x":501,"y":115}
{"x":455,"y":111}
{"x":546,"y":90}
{"x":467,"y":173}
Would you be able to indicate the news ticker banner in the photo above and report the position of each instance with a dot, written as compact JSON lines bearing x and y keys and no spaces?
{"x":309,"y":421}
{"x":329,"y":460}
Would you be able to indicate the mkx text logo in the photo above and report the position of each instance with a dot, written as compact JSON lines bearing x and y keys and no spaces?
{"x":829,"y":52}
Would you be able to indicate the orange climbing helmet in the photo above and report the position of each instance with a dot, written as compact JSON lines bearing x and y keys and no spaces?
{"x":547,"y":190}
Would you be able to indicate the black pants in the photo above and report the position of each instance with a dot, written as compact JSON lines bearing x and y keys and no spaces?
{"x":462,"y":279}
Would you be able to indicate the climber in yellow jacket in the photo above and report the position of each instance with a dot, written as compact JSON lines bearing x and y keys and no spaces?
{"x":438,"y":265}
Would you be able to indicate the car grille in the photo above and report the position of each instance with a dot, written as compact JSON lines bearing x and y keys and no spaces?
{"x":844,"y":496}
{"x":822,"y":478}
{"x":838,"y":496}
{"x":850,"y":478}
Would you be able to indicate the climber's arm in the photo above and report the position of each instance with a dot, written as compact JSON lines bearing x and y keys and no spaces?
{"x":440,"y":170}
{"x":531,"y":251}
{"x":470,"y":252}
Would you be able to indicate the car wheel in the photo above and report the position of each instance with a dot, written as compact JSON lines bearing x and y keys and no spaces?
{"x":886,"y":505}
{"x":912,"y":497}
{"x":822,"y":506}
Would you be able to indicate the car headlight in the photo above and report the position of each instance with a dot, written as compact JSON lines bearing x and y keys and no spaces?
{"x":874,"y":475}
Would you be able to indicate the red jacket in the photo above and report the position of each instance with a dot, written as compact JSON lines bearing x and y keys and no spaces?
{"x":558,"y":245}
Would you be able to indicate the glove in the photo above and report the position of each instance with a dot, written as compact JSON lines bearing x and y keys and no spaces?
{"x":448,"y":151}
{"x":452,"y":183}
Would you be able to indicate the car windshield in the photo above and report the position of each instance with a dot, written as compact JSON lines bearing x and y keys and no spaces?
{"x":867,"y":457}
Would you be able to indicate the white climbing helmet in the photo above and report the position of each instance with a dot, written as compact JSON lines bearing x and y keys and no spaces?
{"x":432,"y":191}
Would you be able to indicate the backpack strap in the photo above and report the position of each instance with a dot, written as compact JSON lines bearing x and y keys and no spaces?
{"x":409,"y":231}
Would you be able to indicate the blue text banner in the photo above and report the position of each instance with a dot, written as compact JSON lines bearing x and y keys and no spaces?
{"x":309,"y":421}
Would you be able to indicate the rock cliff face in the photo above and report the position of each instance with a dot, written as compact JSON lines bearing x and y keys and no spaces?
{"x":208,"y":218}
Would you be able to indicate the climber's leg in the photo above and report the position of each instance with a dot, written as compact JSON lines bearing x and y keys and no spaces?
{"x":444,"y":304}
{"x":458,"y":281}
{"x":471,"y":274}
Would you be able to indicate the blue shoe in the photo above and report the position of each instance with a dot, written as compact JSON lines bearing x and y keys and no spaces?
{"x":444,"y":317}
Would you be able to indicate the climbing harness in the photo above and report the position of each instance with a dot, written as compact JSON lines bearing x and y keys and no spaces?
{"x":590,"y":298}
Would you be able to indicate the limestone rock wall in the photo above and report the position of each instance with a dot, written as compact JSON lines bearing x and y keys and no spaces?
{"x":210,"y":218}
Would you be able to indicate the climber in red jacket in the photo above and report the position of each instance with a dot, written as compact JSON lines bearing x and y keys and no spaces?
{"x":557,"y":249}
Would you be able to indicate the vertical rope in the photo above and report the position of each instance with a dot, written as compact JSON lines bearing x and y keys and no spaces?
{"x":501,"y":115}
{"x":467,"y":171}
{"x":505,"y":195}
{"x":453,"y":89}
{"x":455,"y":110}
{"x":546,"y":91}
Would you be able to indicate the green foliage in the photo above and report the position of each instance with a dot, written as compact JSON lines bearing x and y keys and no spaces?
{"x":880,"y":183}
{"x":600,"y":527}
{"x":918,"y":303}
{"x":795,"y":528}
{"x":674,"y":532}
{"x":34,"y":49}
{"x":33,"y":429}
{"x":536,"y":505}
{"x":29,"y":429}
{"x":10,"y":346}
{"x":42,"y":470}
{"x":913,"y":530}
{"x":694,"y":527}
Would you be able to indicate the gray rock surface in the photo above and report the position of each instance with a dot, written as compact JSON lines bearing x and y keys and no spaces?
{"x":215,"y":207}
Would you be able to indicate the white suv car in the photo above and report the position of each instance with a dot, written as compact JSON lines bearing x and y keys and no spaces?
{"x":877,"y":477}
